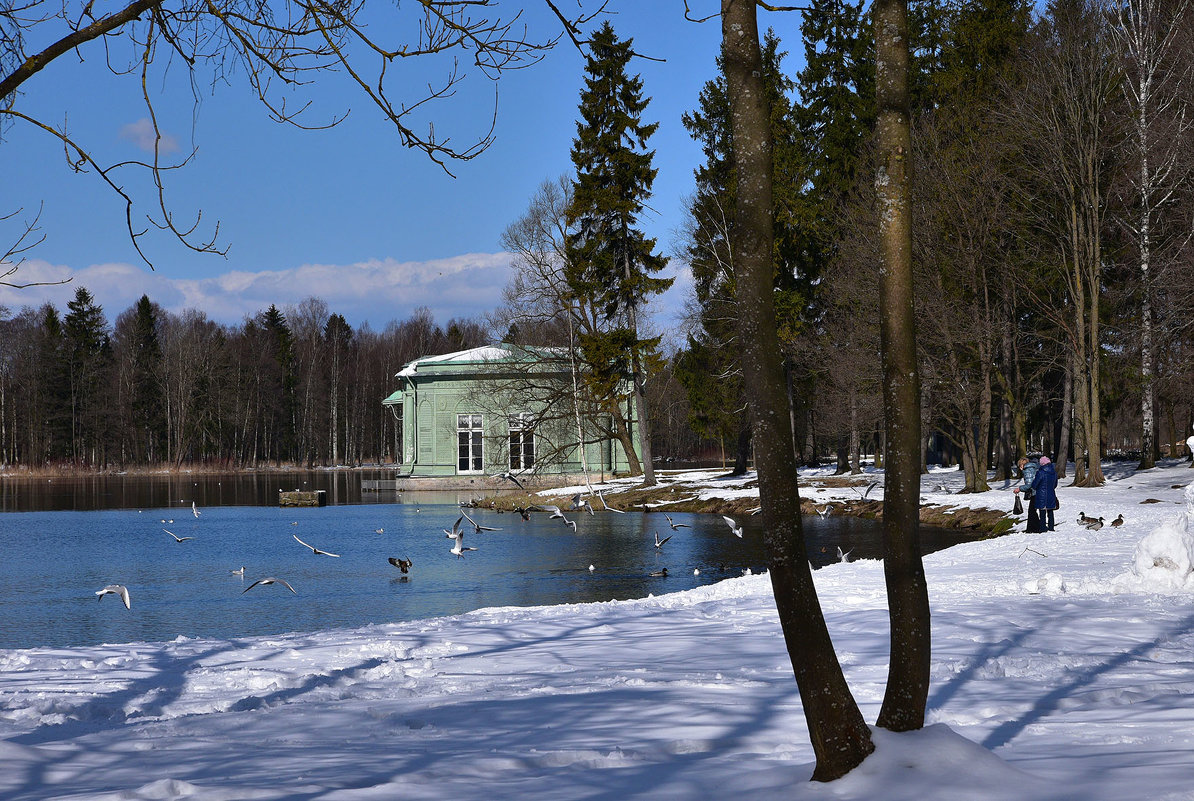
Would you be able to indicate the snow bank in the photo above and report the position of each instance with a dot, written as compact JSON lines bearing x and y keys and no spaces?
{"x":1164,"y":558}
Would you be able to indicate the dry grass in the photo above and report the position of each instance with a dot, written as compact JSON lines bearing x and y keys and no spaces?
{"x":678,"y":496}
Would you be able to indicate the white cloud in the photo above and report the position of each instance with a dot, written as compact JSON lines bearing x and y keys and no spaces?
{"x":141,"y":134}
{"x":379,"y":290}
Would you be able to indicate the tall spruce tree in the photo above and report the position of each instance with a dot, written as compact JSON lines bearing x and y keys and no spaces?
{"x":51,"y":401}
{"x":88,"y":355}
{"x":281,"y":377}
{"x":836,"y":102}
{"x":609,"y":258}
{"x":714,"y":350}
{"x":148,"y":404}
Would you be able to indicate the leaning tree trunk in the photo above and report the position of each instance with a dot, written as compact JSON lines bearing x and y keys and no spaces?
{"x":840,"y":737}
{"x":640,"y":403}
{"x":907,"y":592}
{"x":1067,"y":418}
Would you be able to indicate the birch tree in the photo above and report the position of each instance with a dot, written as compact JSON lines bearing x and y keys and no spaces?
{"x":1156,"y":86}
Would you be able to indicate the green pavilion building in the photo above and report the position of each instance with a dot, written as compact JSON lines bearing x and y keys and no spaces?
{"x":468,"y":417}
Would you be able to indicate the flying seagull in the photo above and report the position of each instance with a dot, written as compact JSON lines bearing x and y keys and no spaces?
{"x":844,"y":556}
{"x":608,"y":508}
{"x":733,"y":524}
{"x":479,"y":528}
{"x":824,"y":513}
{"x":459,"y":548}
{"x":508,"y":476}
{"x":401,"y":564}
{"x":659,"y":542}
{"x":314,"y":550}
{"x":115,"y":589}
{"x":555,"y":512}
{"x":676,"y":526}
{"x":864,"y":493}
{"x":579,"y":503}
{"x":176,"y":537}
{"x":270,"y":580}
{"x":195,"y":509}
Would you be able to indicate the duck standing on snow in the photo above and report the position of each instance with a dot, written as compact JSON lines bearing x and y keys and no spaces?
{"x":1044,"y":493}
{"x":1117,"y":522}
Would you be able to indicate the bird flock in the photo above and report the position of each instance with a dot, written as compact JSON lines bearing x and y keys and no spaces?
{"x":580,"y":506}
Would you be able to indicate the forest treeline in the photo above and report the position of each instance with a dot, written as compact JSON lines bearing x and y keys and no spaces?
{"x":1053,"y":217}
{"x":300,"y":387}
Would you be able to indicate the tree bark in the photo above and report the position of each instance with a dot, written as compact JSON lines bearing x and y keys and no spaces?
{"x":907,"y":592}
{"x":840,"y":737}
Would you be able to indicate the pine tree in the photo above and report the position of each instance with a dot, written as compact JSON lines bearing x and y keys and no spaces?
{"x":714,"y":351}
{"x":610,"y":258}
{"x":51,"y":404}
{"x":88,"y":356}
{"x":148,"y":406}
{"x":281,"y":380}
{"x":339,"y":342}
{"x":836,"y":109}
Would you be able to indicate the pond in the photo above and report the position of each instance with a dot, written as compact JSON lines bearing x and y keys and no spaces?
{"x":73,"y":537}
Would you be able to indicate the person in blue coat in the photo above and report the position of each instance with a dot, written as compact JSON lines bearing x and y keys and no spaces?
{"x":1028,"y":468}
{"x":1044,"y":492}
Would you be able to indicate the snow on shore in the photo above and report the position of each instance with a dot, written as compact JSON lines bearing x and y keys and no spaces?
{"x":1063,"y":668}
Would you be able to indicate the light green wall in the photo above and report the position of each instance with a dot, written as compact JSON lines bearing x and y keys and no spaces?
{"x":436,"y":393}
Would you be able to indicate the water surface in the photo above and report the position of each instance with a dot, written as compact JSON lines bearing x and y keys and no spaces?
{"x":52,"y":562}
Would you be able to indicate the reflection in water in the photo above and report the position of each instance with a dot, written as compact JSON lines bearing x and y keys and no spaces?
{"x":165,"y":490}
{"x":61,"y":558}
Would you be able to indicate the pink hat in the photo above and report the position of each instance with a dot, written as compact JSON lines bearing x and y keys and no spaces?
{"x":1044,"y":460}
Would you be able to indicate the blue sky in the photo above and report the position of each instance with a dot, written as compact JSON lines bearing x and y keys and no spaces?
{"x":346,"y":214}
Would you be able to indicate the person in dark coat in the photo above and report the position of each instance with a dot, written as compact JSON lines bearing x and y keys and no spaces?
{"x":1028,"y":468}
{"x":1044,"y":491}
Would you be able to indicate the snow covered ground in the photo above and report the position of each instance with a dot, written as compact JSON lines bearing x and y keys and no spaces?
{"x":1063,"y":668}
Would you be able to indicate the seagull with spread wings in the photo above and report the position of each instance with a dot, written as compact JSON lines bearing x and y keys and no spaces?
{"x":315,"y":550}
{"x":676,"y":526}
{"x":508,"y":476}
{"x":734,"y":525}
{"x":479,"y":528}
{"x":458,"y":534}
{"x":580,"y":503}
{"x":115,"y":589}
{"x":659,"y":542}
{"x":608,"y":508}
{"x":270,"y":580}
{"x":176,"y":537}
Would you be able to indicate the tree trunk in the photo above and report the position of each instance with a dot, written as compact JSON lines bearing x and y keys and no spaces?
{"x":742,"y":456}
{"x":907,"y":592}
{"x":840,"y":737}
{"x":640,"y":404}
{"x":855,"y":435}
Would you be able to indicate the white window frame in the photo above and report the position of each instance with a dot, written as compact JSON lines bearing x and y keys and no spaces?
{"x":470,"y":443}
{"x":522,"y":427}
